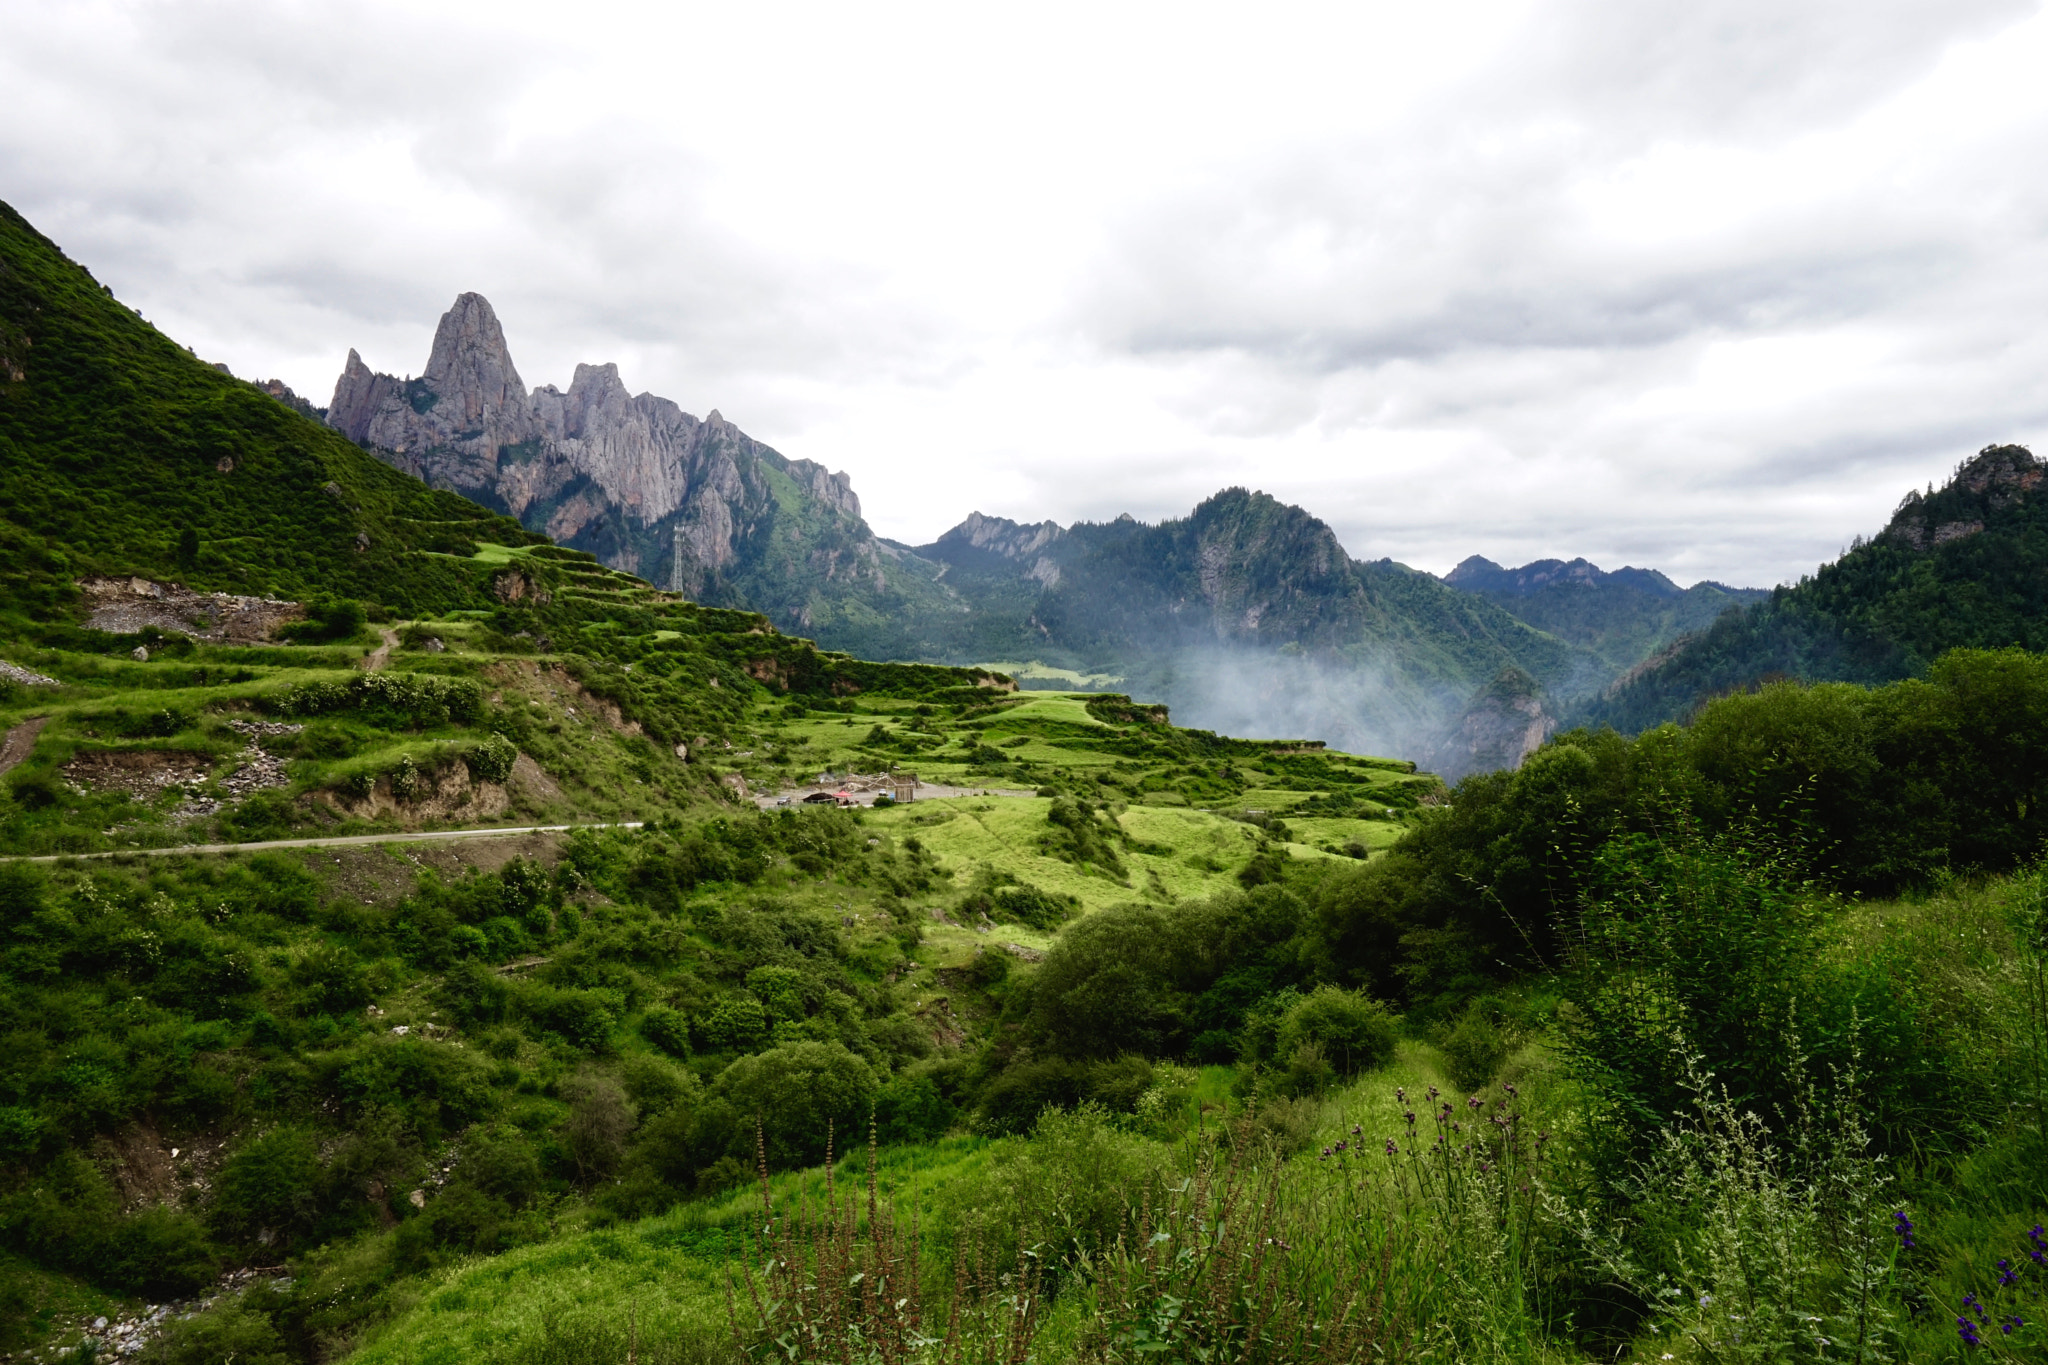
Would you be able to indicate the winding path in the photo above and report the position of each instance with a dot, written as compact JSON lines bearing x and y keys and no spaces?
{"x":20,"y":742}
{"x":381,"y":655}
{"x":344,"y":841}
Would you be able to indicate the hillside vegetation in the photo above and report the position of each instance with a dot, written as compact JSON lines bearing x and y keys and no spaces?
{"x":1725,"y":1042}
{"x":1957,"y":567}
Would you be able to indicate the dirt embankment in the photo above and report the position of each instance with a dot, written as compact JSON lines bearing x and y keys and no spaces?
{"x":130,"y":606}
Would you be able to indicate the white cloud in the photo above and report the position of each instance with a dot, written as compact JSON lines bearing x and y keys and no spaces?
{"x":1703,"y":287}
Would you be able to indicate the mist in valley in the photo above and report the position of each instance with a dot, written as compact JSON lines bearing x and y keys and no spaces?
{"x":1353,"y":703}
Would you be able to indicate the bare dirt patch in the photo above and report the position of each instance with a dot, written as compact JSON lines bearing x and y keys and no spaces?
{"x":445,"y":794}
{"x":141,"y":773}
{"x":129,"y":606}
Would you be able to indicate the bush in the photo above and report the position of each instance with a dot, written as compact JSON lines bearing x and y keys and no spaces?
{"x":667,"y":1029}
{"x":1353,"y":1031}
{"x":799,"y":1092}
{"x":1064,"y":1194}
{"x":1474,"y":1048}
{"x":160,"y":1252}
{"x":327,"y":619}
{"x":594,"y":1135}
{"x":736,"y":1023}
{"x":234,"y":1331}
{"x":269,"y":1186}
{"x":492,"y":760}
{"x":911,"y":1109}
{"x":582,"y":1018}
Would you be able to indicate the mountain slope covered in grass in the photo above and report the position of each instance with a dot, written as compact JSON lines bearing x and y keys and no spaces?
{"x":122,"y":453}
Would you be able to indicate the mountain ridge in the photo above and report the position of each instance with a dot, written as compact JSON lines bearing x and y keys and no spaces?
{"x":1964,"y":565}
{"x":694,"y":505}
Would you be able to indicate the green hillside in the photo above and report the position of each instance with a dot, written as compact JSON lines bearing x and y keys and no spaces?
{"x":122,"y":453}
{"x":1960,"y":566}
{"x":1119,"y":1041}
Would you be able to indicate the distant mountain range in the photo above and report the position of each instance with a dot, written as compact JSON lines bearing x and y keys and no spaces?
{"x":1247,"y":615}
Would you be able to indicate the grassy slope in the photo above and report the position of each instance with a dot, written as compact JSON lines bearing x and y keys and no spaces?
{"x":115,"y":441}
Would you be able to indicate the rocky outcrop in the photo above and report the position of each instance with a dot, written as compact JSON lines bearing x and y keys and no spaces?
{"x":1994,"y":478}
{"x":689,"y":504}
{"x":1504,"y":723}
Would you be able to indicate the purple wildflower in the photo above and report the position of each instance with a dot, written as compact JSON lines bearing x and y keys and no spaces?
{"x":2007,"y":1276}
{"x":1967,"y":1330}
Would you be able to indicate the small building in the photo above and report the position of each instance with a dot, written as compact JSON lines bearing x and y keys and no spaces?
{"x":902,"y":786}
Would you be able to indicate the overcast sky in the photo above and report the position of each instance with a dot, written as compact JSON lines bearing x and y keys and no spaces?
{"x":1699,"y":286}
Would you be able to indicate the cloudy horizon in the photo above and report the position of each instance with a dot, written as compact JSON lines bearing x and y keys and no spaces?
{"x":1698,"y":288}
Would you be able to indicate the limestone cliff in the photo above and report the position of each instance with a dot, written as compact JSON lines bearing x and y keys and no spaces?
{"x":1504,"y":723}
{"x":693,"y":505}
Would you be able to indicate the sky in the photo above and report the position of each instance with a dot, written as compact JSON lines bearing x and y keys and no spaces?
{"x":1703,"y":287}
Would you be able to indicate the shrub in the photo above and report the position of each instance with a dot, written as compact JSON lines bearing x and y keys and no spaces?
{"x":1474,"y":1048}
{"x":36,"y":790}
{"x":582,"y":1018}
{"x":1353,"y":1031}
{"x":404,"y":778}
{"x":799,"y":1092}
{"x":500,"y":1160}
{"x":269,"y":1185}
{"x":667,"y":1029}
{"x":234,"y":1331}
{"x":160,"y":1252}
{"x":492,"y":760}
{"x":594,"y":1134}
{"x":1026,"y":904}
{"x":1065,"y":1194}
{"x":911,"y":1109}
{"x":736,"y":1023}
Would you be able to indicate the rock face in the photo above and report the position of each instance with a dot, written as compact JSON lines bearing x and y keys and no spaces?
{"x":1995,"y":478}
{"x":1504,"y":723}
{"x":695,"y":506}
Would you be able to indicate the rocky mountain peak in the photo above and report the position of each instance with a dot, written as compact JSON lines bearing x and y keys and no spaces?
{"x":1993,"y":478}
{"x":633,"y":478}
{"x":471,"y":366}
{"x":1003,"y":537}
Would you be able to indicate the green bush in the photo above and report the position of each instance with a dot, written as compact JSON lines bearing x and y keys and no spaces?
{"x":492,"y":760}
{"x":911,"y":1109}
{"x":234,"y":1331}
{"x":583,"y":1018}
{"x":1353,"y":1031}
{"x":270,"y":1186}
{"x":800,"y":1093}
{"x":160,"y":1252}
{"x":1474,"y":1048}
{"x":667,"y":1029}
{"x":736,"y":1023}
